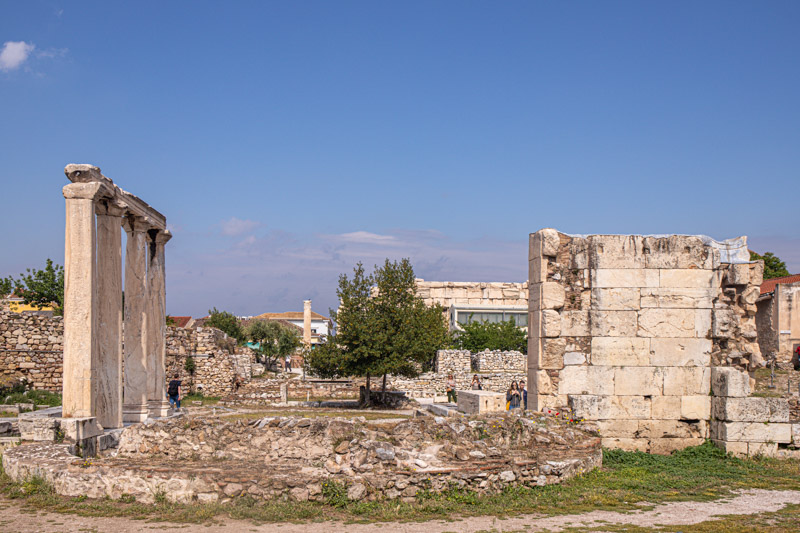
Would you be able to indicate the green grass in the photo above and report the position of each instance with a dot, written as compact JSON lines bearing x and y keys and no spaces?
{"x":628,"y":480}
{"x":196,"y":397}
{"x":37,"y":397}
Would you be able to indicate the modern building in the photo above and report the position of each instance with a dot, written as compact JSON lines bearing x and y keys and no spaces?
{"x":14,"y":303}
{"x":778,"y":317}
{"x":475,"y":301}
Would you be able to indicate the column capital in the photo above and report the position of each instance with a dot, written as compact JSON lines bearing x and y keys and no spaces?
{"x":110,"y":209}
{"x":133,"y":223}
{"x":163,"y":237}
{"x":86,"y":191}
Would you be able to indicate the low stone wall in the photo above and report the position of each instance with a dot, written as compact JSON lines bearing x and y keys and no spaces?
{"x":191,"y":459}
{"x":31,"y":348}
{"x":430,"y":385}
{"x":500,"y":361}
{"x":264,"y":391}
{"x":453,"y":362}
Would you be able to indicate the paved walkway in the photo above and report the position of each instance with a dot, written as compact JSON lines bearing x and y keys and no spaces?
{"x":676,"y":513}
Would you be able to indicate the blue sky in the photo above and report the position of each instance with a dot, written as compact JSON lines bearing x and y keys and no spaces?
{"x":286,"y":141}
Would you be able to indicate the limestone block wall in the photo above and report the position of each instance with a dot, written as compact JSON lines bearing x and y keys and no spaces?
{"x":499,"y":361}
{"x":624,"y":329}
{"x":489,"y":294}
{"x":453,"y":361}
{"x":778,"y":321}
{"x":31,"y":348}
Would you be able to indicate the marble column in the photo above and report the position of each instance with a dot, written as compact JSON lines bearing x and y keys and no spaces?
{"x":80,"y":301}
{"x":307,"y":323}
{"x":134,"y":403}
{"x":156,"y":323}
{"x":108,"y":320}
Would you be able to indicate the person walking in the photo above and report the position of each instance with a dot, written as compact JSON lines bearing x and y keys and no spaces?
{"x":513,"y":397}
{"x":451,"y":388}
{"x":287,"y":363}
{"x":174,"y":391}
{"x":524,"y":392}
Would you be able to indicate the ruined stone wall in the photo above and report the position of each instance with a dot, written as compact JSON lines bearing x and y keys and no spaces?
{"x":778,"y":321}
{"x":496,"y":369}
{"x":624,"y":330}
{"x":31,"y":348}
{"x":766,"y":324}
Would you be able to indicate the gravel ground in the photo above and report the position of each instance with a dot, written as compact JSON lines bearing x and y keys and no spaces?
{"x":15,"y":520}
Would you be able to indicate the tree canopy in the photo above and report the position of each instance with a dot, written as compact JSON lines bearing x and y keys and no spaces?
{"x":773,"y":266}
{"x":274,"y":340}
{"x":382,"y":327}
{"x":39,"y":288}
{"x":227,"y":322}
{"x":478,"y":336}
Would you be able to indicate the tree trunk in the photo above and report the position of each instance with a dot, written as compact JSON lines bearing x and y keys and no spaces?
{"x":383,"y":391}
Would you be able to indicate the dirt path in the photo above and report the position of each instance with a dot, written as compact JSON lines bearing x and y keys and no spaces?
{"x":15,"y":520}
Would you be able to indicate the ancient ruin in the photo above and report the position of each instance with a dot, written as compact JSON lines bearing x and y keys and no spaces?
{"x":93,"y":385}
{"x":652,"y":337}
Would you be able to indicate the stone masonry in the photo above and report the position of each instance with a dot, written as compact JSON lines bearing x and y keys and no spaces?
{"x":626,"y":329}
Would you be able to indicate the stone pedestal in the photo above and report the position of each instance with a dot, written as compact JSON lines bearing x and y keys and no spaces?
{"x":473,"y":402}
{"x":135,"y":408}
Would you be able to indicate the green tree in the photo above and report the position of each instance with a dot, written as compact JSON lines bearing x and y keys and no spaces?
{"x":227,"y":322}
{"x":6,"y":286}
{"x":478,"y":336}
{"x":39,"y":288}
{"x":274,"y":340}
{"x":773,"y":266}
{"x":382,"y":327}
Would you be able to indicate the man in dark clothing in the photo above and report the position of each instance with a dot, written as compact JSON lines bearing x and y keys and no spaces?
{"x":524,"y":390}
{"x":174,"y":391}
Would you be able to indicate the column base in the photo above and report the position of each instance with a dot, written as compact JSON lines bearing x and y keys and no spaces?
{"x":135,"y":413}
{"x":158,"y":408}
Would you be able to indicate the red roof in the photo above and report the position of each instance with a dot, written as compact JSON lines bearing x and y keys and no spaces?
{"x":180,"y":321}
{"x":769,"y":285}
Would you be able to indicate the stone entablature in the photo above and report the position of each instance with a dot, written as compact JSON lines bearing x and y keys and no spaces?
{"x":625,"y":330}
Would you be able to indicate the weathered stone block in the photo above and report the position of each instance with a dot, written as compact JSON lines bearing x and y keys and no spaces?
{"x":616,"y":251}
{"x":574,"y":358}
{"x":764,"y":449}
{"x":697,"y":407}
{"x":738,"y":274}
{"x":638,"y":381}
{"x":624,"y":277}
{"x":680,"y":352}
{"x":628,"y":445}
{"x":666,"y":446}
{"x":586,"y":380}
{"x":474,"y":402}
{"x":737,"y":449}
{"x":593,"y":407}
{"x":678,"y":298}
{"x":550,"y":241}
{"x":660,"y":323}
{"x":674,"y":429}
{"x":723,"y":323}
{"x":751,"y":431}
{"x":796,"y":433}
{"x":616,"y":299}
{"x":575,"y":323}
{"x":677,"y":251}
{"x":727,"y":381}
{"x":38,"y":428}
{"x":751,"y":409}
{"x":618,"y":428}
{"x":620,"y":351}
{"x":666,"y":407}
{"x":613,"y":323}
{"x":686,"y":381}
{"x":77,"y":429}
{"x":552,"y":354}
{"x":686,"y":278}
{"x":551,"y":323}
{"x":547,"y":295}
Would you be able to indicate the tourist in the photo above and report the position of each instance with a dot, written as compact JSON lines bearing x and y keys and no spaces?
{"x":524,"y":394}
{"x":476,"y":383}
{"x":287,"y":363}
{"x":451,"y":388}
{"x":513,"y":397}
{"x":174,"y":391}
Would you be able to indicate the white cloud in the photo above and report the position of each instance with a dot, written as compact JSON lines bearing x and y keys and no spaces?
{"x":52,"y":53}
{"x":365,"y":237}
{"x":236,"y":226}
{"x":14,"y":54}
